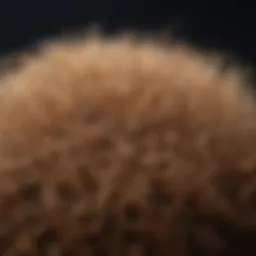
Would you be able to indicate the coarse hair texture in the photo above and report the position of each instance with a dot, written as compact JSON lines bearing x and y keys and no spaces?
{"x":116,"y":147}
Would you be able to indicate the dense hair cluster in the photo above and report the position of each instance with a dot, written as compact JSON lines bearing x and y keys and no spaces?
{"x":114,"y":147}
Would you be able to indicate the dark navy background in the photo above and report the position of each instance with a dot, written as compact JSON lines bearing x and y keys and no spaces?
{"x":217,"y":24}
